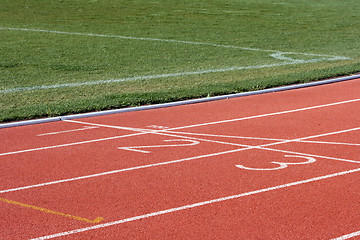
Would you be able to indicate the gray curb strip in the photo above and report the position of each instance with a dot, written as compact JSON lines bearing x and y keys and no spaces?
{"x":172,"y":104}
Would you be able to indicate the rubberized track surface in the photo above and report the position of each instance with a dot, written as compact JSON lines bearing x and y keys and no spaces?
{"x":281,"y":165}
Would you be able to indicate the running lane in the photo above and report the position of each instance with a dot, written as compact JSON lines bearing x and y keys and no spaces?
{"x":283,"y":165}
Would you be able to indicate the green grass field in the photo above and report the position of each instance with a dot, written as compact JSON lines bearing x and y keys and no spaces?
{"x":72,"y":56}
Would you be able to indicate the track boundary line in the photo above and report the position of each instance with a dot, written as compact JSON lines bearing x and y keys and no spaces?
{"x":194,"y":205}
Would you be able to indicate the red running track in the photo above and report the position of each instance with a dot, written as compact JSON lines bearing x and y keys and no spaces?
{"x":283,"y":165}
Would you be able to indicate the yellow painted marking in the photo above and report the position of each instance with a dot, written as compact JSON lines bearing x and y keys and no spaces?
{"x":96,"y":220}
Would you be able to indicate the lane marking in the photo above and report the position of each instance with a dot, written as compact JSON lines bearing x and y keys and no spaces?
{"x":347,"y":236}
{"x":229,"y":120}
{"x":136,"y":148}
{"x":278,"y":55}
{"x":267,"y":114}
{"x":264,"y":139}
{"x":194,"y":205}
{"x":265,"y":146}
{"x":282,"y":165}
{"x":332,"y":143}
{"x":309,"y":155}
{"x":117,"y":171}
{"x":96,"y":220}
{"x":146,"y":166}
{"x":70,"y":144}
{"x":157,"y":127}
{"x":176,"y":128}
{"x":66,"y":131}
{"x":244,"y":147}
{"x":262,"y":147}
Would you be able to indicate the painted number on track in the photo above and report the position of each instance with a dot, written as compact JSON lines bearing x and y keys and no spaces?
{"x":281,"y":165}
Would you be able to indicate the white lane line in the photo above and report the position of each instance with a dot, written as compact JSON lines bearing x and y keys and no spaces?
{"x":182,"y":127}
{"x":265,"y":146}
{"x":279,"y":55}
{"x":119,"y":171}
{"x":262,"y":147}
{"x":263,"y":139}
{"x":69,"y":144}
{"x":194,"y":205}
{"x":227,"y":136}
{"x":348,"y":236}
{"x":267,"y":114}
{"x":332,"y":143}
{"x":66,"y":131}
{"x":244,"y":147}
{"x":228,"y":120}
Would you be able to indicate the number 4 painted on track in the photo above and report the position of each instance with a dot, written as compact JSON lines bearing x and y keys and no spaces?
{"x":282,"y":165}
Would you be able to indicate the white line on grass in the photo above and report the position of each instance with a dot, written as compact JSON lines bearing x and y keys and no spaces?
{"x":279,"y":55}
{"x":194,"y":205}
{"x":175,"y":41}
{"x":168,"y":75}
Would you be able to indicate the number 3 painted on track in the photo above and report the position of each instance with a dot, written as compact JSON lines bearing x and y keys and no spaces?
{"x":282,"y":165}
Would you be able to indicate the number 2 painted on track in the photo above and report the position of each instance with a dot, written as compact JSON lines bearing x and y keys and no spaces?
{"x":282,"y":165}
{"x":186,"y":143}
